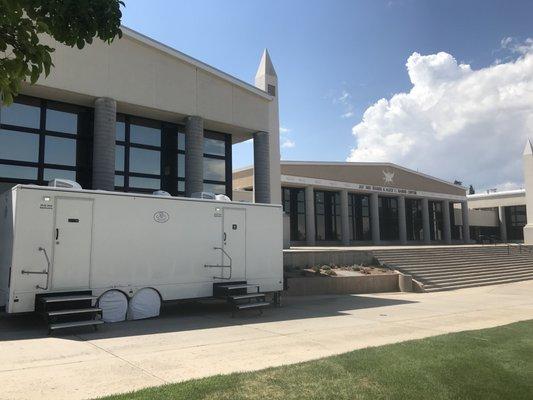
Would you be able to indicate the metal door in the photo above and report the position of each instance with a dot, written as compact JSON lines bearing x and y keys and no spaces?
{"x":72,"y":243}
{"x":234,"y":241}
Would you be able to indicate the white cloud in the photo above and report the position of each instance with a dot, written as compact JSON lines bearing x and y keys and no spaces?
{"x":516,"y":46}
{"x":288,"y":144}
{"x":455,"y":122}
{"x":283,"y":129}
{"x":348,"y":114}
{"x":344,"y":99}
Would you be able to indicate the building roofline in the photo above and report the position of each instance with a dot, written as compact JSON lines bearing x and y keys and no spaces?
{"x":388,"y":164}
{"x":193,"y":61}
{"x":349,"y":163}
{"x":495,"y":195}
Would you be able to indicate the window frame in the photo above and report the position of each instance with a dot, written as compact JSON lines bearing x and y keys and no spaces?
{"x":82,"y":137}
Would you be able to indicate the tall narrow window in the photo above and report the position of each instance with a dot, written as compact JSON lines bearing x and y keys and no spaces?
{"x":413,"y":216}
{"x":388,"y":218}
{"x":327,"y":215}
{"x":359,"y":217}
{"x":294,"y":204}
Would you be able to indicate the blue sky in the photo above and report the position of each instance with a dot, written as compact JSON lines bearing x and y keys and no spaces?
{"x":334,"y":58}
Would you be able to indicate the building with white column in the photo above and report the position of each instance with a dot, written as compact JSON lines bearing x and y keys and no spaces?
{"x":332,"y":203}
{"x":139,"y":116}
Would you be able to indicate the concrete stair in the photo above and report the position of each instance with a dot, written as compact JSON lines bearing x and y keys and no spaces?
{"x":456,"y":267}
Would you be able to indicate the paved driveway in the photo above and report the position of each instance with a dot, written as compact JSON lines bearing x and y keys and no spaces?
{"x":195,"y":341}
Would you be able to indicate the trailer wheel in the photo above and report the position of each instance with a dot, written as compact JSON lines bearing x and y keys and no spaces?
{"x":114,"y":305}
{"x":146,"y":303}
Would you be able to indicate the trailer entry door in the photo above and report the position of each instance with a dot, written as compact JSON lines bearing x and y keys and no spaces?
{"x":234,"y":241}
{"x":72,"y":243}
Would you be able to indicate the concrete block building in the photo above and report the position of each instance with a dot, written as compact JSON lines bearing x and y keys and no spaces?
{"x":365,"y":203}
{"x":139,"y":116}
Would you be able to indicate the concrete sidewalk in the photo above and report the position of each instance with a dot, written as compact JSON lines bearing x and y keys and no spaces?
{"x":190,"y":342}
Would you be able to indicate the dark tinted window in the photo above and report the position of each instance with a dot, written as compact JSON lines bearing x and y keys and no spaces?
{"x":17,"y":172}
{"x":60,"y":151}
{"x":119,"y":158}
{"x":61,"y":121}
{"x":215,"y":188}
{"x":51,"y":174}
{"x":120,"y":131}
{"x":181,"y":141}
{"x":143,"y":134}
{"x":214,"y":169}
{"x":19,"y":146}
{"x":214,"y":147}
{"x":145,"y":161}
{"x":145,"y":183}
{"x":19,"y":114}
{"x":181,"y":165}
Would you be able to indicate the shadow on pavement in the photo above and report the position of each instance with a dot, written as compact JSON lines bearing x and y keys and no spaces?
{"x":181,"y":317}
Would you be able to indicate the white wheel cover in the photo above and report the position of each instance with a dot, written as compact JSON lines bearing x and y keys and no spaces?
{"x":146,"y":303}
{"x":114,"y":305}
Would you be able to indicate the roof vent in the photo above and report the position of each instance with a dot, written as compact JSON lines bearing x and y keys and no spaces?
{"x":161,"y":193}
{"x":64,"y":183}
{"x":203,"y":195}
{"x":222,"y":197}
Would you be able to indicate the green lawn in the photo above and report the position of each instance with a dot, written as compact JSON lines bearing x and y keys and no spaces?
{"x":493,"y":363}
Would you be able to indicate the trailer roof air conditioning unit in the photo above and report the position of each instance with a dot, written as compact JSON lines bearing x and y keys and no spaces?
{"x":64,"y":183}
{"x":222,"y":197}
{"x":203,"y":195}
{"x":161,"y":193}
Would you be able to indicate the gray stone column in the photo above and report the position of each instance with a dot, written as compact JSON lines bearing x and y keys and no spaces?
{"x":466,"y":223}
{"x":310,"y":232}
{"x":194,"y":155}
{"x":503,"y":224}
{"x":425,"y":220}
{"x":345,"y":218}
{"x":105,"y":118}
{"x":447,"y":234}
{"x":261,"y":167}
{"x":402,"y":223}
{"x":374,"y":218}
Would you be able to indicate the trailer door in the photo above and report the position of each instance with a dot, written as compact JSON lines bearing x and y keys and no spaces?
{"x":72,"y":243}
{"x":234,"y":241}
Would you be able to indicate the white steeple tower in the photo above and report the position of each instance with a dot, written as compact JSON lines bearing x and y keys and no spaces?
{"x":266,"y":79}
{"x":527,"y":159}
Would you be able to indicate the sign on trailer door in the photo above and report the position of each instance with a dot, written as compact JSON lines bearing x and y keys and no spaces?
{"x":72,"y":243}
{"x":234,"y":241}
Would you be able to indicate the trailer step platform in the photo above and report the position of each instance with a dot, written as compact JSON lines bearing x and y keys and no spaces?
{"x":75,"y":324}
{"x":247,"y":306}
{"x":74,"y":311}
{"x":68,"y":310}
{"x":57,"y":299}
{"x":240,"y":286}
{"x":248,"y":296}
{"x":241,"y":295}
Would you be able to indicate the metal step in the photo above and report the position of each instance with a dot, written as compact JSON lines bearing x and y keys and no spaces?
{"x":74,"y":311}
{"x":247,"y":306}
{"x":63,"y":325}
{"x":58,"y":299}
{"x":240,"y":286}
{"x":247,"y":296}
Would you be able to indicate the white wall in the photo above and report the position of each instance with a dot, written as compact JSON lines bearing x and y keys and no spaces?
{"x":136,"y":74}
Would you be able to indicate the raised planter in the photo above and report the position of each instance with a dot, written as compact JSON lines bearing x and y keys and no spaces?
{"x":342,"y":285}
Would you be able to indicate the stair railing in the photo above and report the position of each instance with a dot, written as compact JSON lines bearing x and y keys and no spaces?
{"x":43,"y":272}
{"x":222,"y":267}
{"x":521,"y":248}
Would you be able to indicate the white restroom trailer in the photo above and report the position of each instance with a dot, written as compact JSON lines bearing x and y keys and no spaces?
{"x":61,"y":240}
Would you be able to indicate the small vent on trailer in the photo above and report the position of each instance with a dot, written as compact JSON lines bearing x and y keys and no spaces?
{"x":64,"y":183}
